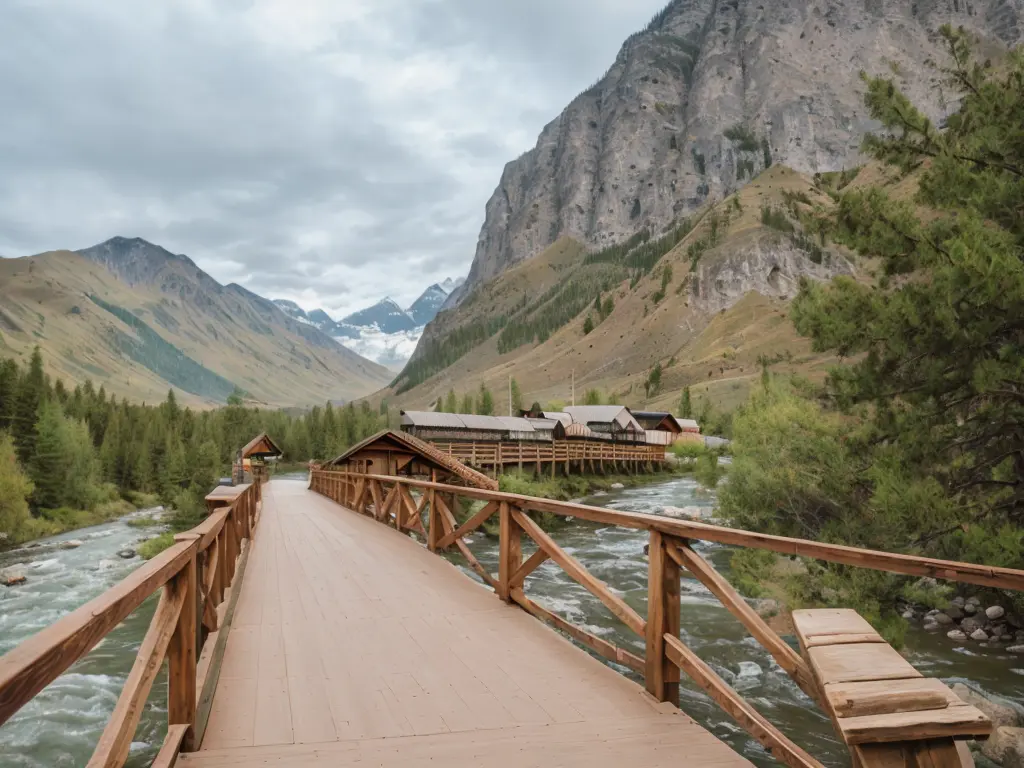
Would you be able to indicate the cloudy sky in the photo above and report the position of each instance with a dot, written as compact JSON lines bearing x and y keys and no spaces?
{"x":327,"y":151}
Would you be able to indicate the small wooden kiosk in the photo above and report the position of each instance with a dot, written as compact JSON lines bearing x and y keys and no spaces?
{"x":252,"y":459}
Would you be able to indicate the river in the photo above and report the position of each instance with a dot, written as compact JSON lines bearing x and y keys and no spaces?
{"x":60,"y":727}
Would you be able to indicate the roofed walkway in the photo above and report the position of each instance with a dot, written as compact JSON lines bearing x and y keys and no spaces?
{"x":351,"y":644}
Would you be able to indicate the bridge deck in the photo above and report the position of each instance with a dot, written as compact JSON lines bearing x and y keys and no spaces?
{"x":352,"y":643}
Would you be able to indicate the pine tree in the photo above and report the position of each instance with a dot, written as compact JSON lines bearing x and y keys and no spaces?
{"x":49,"y":457}
{"x":30,"y":395}
{"x":517,"y":397}
{"x":588,"y":325}
{"x":82,"y":470}
{"x":467,"y":403}
{"x":685,"y":405}
{"x":451,"y":402}
{"x":9,"y":379}
{"x":15,"y":490}
{"x":173,"y":473}
{"x":485,"y":403}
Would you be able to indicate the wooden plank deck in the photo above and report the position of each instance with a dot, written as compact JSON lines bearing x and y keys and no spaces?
{"x":353,"y":644}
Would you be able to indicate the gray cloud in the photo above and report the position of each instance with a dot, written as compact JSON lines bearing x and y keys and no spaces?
{"x":326,"y":151}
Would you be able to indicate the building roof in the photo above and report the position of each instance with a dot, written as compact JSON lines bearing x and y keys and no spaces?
{"x":465,"y":421}
{"x":565,"y":418}
{"x":689,"y":424}
{"x":658,"y":420}
{"x":404,"y":441}
{"x":604,"y":414}
{"x":543,"y":425}
{"x":261,"y":445}
{"x":578,"y":430}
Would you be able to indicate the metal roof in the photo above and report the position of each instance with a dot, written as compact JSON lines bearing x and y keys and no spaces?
{"x":473,"y":421}
{"x":432,"y":419}
{"x":565,"y":418}
{"x":517,"y":424}
{"x":543,"y":425}
{"x":688,"y":424}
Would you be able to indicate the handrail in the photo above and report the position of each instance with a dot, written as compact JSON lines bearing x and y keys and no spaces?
{"x":389,"y":500}
{"x":195,"y":577}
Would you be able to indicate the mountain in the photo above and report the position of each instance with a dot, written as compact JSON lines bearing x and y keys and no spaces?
{"x":138,"y":319}
{"x":657,"y":221}
{"x":383,"y":332}
{"x":386,"y":315}
{"x":702,"y":100}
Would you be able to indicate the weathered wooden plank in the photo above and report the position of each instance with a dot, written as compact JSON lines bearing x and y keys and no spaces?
{"x":964,"y":722}
{"x":112,"y":749}
{"x":852,"y":663}
{"x":786,"y":657}
{"x":168,"y":753}
{"x":470,"y":525}
{"x":823,"y":622}
{"x":448,"y":525}
{"x":36,"y":662}
{"x":850,"y":699}
{"x":770,"y":737}
{"x":581,"y":575}
{"x":593,"y":642}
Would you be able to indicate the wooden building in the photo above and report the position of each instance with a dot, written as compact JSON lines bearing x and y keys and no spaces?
{"x":608,"y":422}
{"x":432,"y":425}
{"x":252,"y":459}
{"x":404,"y":455}
{"x":663,"y":428}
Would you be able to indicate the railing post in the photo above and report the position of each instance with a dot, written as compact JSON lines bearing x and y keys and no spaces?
{"x":511,"y":554}
{"x":663,"y":595}
{"x":182,"y":651}
{"x":434,"y":532}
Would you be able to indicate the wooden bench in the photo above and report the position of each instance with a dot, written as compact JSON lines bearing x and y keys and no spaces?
{"x":875,"y":697}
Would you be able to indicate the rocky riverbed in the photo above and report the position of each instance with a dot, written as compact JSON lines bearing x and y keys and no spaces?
{"x":972,"y":620}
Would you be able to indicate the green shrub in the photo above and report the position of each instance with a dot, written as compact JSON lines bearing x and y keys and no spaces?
{"x":153,"y":547}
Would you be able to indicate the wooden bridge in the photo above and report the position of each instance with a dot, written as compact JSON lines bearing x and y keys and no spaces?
{"x":565,"y":456}
{"x":305,"y":627}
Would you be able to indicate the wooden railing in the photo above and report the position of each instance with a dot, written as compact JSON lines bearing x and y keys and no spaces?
{"x":584,"y":455}
{"x":390,"y":500}
{"x":197,"y":579}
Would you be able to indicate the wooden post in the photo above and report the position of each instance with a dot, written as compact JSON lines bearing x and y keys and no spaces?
{"x":182,"y":653}
{"x":434,"y":532}
{"x":511,"y":554}
{"x":663,"y":594}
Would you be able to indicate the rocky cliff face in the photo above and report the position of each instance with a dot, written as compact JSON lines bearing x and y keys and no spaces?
{"x":703,"y":99}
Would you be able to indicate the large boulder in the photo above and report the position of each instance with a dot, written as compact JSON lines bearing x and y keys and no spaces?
{"x":995,"y":612}
{"x":999,"y":710}
{"x":13,"y":575}
{"x":1005,"y":747}
{"x":70,"y":544}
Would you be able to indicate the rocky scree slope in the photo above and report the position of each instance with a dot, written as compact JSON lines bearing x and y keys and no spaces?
{"x":706,"y":97}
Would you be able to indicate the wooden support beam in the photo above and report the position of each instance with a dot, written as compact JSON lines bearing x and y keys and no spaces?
{"x":534,"y":562}
{"x":448,"y":521}
{"x":510,"y":551}
{"x":470,"y":525}
{"x":182,"y":655}
{"x":168,"y":753}
{"x":581,"y":575}
{"x":112,"y":749}
{"x":663,"y":596}
{"x":594,"y":643}
{"x":770,"y":737}
{"x":780,"y":650}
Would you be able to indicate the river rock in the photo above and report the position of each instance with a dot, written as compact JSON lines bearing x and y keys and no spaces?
{"x":956,"y":635}
{"x":70,"y":544}
{"x":617,"y":486}
{"x":997,"y":629}
{"x":955,"y":612}
{"x":929,"y":626}
{"x":958,"y":601}
{"x":1005,"y":747}
{"x":13,"y":575}
{"x":1016,"y":649}
{"x":127,"y":554}
{"x":995,"y":612}
{"x":970,"y":624}
{"x":980,"y":635}
{"x":1000,"y":711}
{"x":1005,"y":638}
{"x":943,"y":619}
{"x":691,"y":513}
{"x":908,"y":614}
{"x":766,"y":607}
{"x":749,"y":669}
{"x":970,"y":608}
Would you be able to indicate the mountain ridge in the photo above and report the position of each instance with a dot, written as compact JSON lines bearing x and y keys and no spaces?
{"x":138,"y":319}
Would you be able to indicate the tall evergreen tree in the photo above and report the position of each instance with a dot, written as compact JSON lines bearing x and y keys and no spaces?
{"x":48,"y":464}
{"x":485,"y":404}
{"x":30,"y":395}
{"x":467,"y":403}
{"x":451,"y":402}
{"x":685,"y":405}
{"x":15,"y":490}
{"x":517,"y":397}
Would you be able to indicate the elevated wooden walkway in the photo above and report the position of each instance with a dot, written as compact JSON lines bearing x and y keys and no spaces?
{"x":352,"y":643}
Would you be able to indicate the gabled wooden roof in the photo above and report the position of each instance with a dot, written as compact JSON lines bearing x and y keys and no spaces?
{"x":425,"y":452}
{"x":659,"y":420}
{"x":261,"y":445}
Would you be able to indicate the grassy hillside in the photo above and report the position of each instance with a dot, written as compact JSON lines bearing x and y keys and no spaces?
{"x":707,"y":300}
{"x":179,"y":328}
